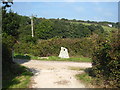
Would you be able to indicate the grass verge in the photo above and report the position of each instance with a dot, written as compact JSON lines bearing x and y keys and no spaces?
{"x":86,"y":78}
{"x":15,"y":76}
{"x":53,"y":58}
{"x":90,"y":80}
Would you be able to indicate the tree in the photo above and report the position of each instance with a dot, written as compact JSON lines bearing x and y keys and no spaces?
{"x":7,"y":3}
{"x":44,"y":29}
{"x":10,"y":23}
{"x":9,"y":32}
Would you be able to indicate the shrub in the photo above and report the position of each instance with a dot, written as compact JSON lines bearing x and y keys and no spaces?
{"x":51,"y":47}
{"x":106,"y":60}
{"x":7,"y":44}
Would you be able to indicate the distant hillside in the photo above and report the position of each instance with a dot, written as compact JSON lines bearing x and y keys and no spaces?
{"x":106,"y":27}
{"x":61,"y":28}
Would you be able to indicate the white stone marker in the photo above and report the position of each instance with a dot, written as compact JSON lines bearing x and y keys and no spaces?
{"x":63,"y":53}
{"x":110,"y":25}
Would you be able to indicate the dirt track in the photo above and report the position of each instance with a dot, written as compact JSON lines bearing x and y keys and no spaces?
{"x":54,"y":74}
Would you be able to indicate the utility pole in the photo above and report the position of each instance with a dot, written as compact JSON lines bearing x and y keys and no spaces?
{"x":32,"y":26}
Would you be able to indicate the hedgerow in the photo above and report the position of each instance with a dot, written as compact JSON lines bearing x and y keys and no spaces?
{"x":51,"y":47}
{"x":106,"y":60}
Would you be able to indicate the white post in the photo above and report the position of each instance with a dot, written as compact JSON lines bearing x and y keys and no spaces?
{"x":32,"y":26}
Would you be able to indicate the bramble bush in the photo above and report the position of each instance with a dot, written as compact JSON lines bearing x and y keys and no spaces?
{"x":106,"y":60}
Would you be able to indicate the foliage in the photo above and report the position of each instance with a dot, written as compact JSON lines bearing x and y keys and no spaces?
{"x":82,"y":38}
{"x":7,"y":44}
{"x":8,"y":34}
{"x":44,"y":29}
{"x":51,"y":47}
{"x":6,"y":54}
{"x":50,"y":28}
{"x":106,"y":60}
{"x":15,"y":76}
{"x":10,"y":23}
{"x":22,"y":56}
{"x":8,"y":40}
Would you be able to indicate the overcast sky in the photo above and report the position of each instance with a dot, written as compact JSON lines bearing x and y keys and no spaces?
{"x":95,"y":11}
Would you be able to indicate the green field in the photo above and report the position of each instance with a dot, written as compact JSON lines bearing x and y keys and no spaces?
{"x":106,"y":28}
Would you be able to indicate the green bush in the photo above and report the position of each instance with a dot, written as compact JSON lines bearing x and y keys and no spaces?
{"x":51,"y":47}
{"x":6,"y":54}
{"x":7,"y":44}
{"x":106,"y":60}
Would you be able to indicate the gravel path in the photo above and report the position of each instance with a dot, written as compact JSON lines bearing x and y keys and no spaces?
{"x":54,"y":74}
